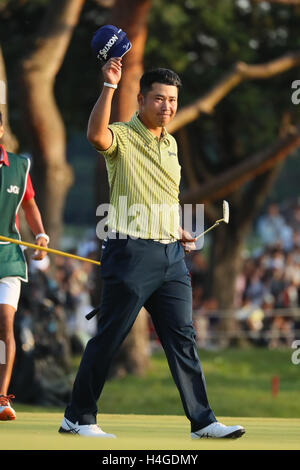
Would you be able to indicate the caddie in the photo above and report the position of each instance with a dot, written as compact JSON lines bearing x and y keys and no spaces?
{"x":15,"y":191}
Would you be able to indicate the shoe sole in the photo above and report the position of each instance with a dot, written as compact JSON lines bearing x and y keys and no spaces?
{"x":233,"y":435}
{"x":74,"y":432}
{"x":67,"y":431}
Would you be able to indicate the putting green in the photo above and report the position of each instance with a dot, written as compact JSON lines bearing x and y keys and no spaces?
{"x":38,"y":431}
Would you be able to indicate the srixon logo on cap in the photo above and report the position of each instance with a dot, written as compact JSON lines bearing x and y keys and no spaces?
{"x":109,"y":41}
{"x":103,"y":52}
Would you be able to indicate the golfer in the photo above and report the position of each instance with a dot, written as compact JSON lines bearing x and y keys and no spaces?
{"x":142,"y":265}
{"x":15,"y":190}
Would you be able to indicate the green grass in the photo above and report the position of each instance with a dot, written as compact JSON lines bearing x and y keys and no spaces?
{"x":238,"y":384}
{"x":146,"y":412}
{"x":38,"y":431}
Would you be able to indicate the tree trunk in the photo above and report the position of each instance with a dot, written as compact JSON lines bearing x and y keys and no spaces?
{"x":9,"y":139}
{"x":132,"y":17}
{"x":52,"y":175}
{"x":226,"y":261}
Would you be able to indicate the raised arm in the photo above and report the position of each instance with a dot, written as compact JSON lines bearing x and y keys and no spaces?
{"x":98,"y":133}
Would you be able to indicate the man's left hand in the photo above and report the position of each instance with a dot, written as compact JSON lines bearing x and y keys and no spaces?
{"x":187,"y":241}
{"x":39,"y":254}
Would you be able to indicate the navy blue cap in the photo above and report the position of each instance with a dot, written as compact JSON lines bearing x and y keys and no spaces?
{"x":109,"y":41}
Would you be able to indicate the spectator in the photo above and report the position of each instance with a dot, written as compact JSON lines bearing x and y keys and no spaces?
{"x":270,"y":226}
{"x":255,"y":289}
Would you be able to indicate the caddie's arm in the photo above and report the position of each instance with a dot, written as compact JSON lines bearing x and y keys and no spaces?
{"x":98,"y":133}
{"x":34,"y":221}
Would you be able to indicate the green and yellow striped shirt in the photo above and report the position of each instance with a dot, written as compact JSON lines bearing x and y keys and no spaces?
{"x":144,"y":176}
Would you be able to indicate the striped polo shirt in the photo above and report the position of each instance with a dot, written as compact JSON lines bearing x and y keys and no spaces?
{"x":144,"y":176}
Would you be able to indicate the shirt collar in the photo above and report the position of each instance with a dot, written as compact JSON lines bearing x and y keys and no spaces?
{"x":3,"y":156}
{"x":137,"y":124}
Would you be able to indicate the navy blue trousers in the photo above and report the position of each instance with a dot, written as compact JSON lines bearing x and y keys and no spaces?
{"x":137,"y":273}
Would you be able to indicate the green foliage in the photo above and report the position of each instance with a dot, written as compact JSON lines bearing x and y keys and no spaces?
{"x":202,"y":41}
{"x":286,"y":185}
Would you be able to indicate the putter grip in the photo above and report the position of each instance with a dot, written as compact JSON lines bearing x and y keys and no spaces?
{"x":92,"y":313}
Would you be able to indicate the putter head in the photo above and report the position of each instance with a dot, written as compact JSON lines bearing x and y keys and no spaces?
{"x":225,"y":219}
{"x":225,"y":212}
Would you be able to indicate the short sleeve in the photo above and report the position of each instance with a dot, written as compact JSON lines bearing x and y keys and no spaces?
{"x":29,"y":191}
{"x":118,"y":145}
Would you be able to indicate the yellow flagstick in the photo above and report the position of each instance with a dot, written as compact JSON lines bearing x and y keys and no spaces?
{"x":48,"y":250}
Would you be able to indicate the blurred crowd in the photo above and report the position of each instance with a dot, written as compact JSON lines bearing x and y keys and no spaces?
{"x":266,"y":306}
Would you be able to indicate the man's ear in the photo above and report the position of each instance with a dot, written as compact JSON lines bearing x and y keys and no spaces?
{"x":1,"y":131}
{"x":141,"y":99}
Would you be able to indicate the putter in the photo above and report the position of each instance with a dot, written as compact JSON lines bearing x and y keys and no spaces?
{"x":224,"y":219}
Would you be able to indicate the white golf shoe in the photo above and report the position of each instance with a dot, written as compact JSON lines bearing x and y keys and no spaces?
{"x":218,"y":430}
{"x":87,"y":430}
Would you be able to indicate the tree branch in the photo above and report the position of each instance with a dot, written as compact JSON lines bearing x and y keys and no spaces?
{"x":253,"y":198}
{"x":235,"y":177}
{"x":239,"y":73}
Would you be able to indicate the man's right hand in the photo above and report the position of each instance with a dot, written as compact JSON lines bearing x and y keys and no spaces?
{"x":98,"y":133}
{"x":112,"y":70}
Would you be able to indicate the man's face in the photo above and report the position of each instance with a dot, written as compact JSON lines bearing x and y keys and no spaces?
{"x":159,"y":106}
{"x":1,"y":131}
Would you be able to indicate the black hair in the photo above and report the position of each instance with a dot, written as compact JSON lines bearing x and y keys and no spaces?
{"x":160,"y":75}
{"x":1,"y":119}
